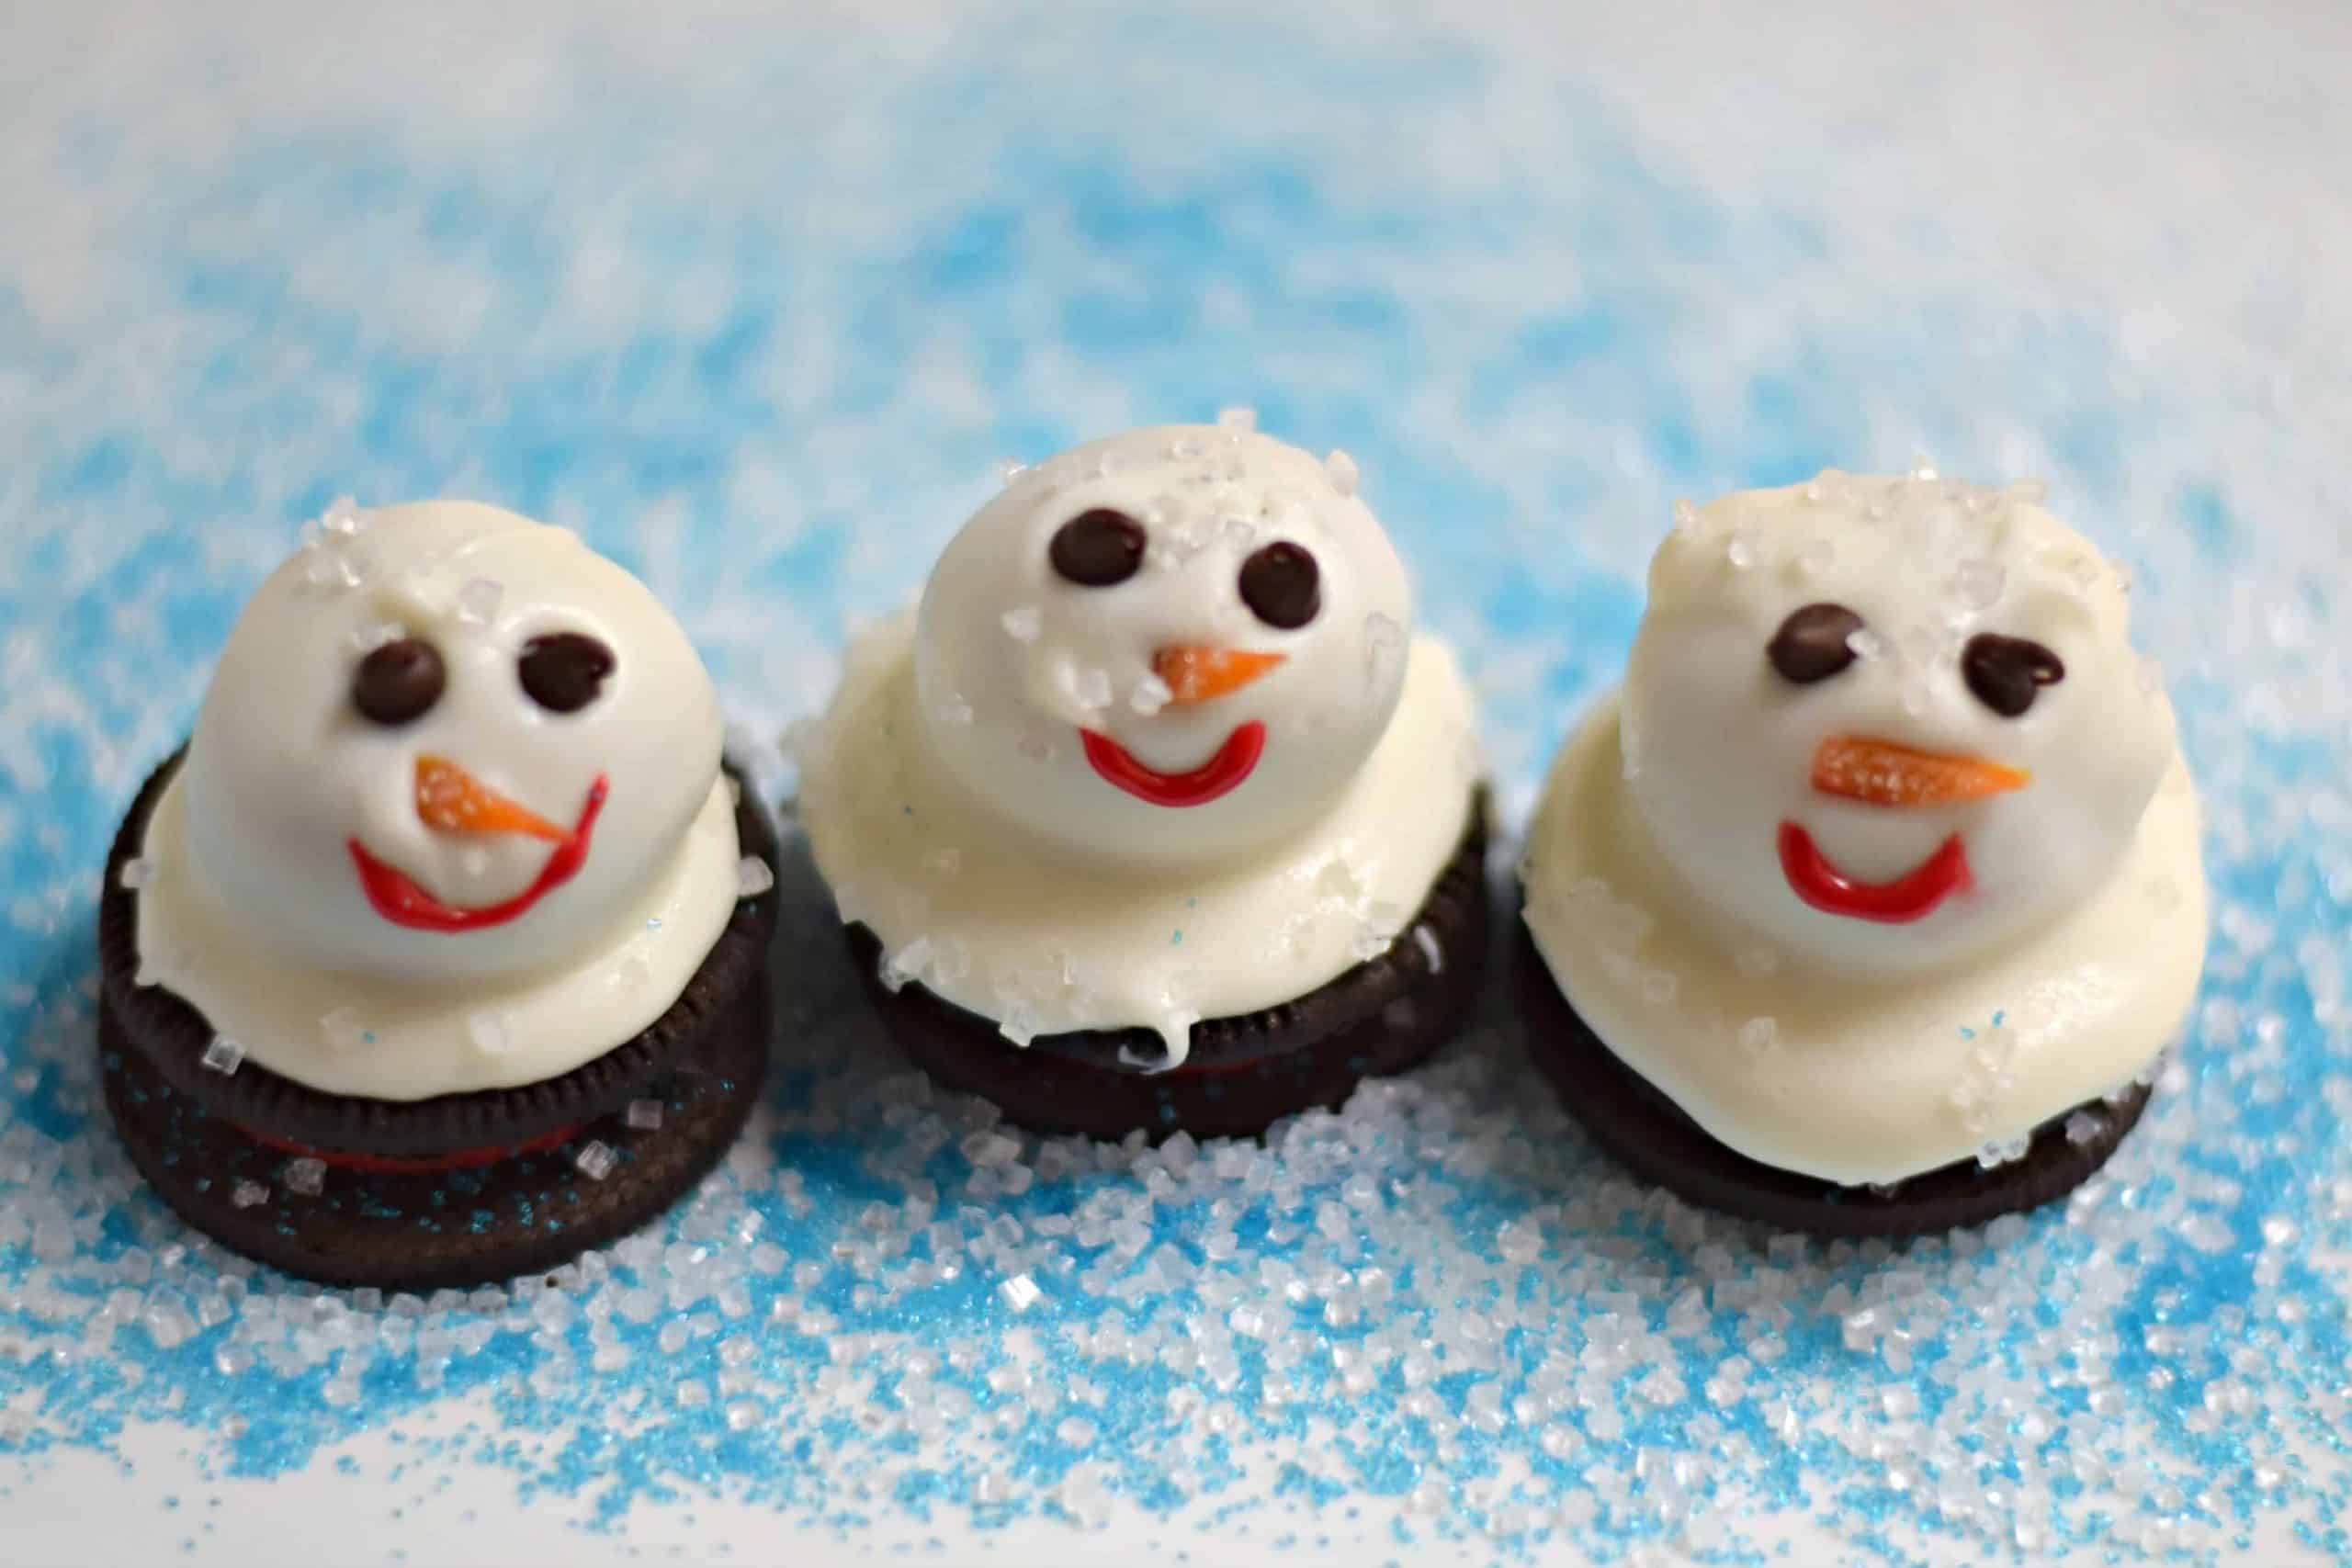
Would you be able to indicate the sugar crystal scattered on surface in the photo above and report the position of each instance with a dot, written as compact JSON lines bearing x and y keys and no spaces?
{"x":1341,"y":469}
{"x":479,"y":600}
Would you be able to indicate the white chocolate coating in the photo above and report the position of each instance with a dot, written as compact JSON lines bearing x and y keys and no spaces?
{"x":1013,"y":661}
{"x":404,"y":1040}
{"x":1851,"y":1079}
{"x":1719,"y":746}
{"x":1810,"y":1038}
{"x":1045,"y":938}
{"x":255,"y":910}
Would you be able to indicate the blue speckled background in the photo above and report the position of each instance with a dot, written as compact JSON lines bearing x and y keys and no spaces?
{"x":756,"y":301}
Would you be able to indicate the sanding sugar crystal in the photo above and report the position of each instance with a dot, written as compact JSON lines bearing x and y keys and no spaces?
{"x":752,"y":878}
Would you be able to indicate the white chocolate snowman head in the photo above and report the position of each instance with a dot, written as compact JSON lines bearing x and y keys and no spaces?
{"x":1164,"y":647}
{"x":444,"y":741}
{"x":1887,"y":724}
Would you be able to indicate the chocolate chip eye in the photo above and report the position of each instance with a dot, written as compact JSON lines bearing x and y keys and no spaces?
{"x":1813,"y":643}
{"x":1283,"y":586}
{"x":2007,"y":672}
{"x":398,"y":681}
{"x":563,"y":670}
{"x":1098,"y":549}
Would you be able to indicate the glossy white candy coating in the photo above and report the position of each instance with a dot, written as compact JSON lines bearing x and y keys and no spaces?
{"x":1719,"y":746}
{"x":284,"y":772}
{"x":1846,"y":1048}
{"x":252,"y":907}
{"x":1013,"y":661}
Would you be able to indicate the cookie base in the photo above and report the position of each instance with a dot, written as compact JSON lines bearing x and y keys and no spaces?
{"x":1244,"y":1072}
{"x":1639,"y":1127}
{"x":418,"y":1231}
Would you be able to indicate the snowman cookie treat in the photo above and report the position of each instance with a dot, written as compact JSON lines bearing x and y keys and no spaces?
{"x":436,"y":956}
{"x":1870,"y":902}
{"x":1155,"y":815}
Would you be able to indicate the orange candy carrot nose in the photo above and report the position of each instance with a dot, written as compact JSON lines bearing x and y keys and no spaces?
{"x":453,"y":800}
{"x":1198,"y":674}
{"x":1882,"y":773}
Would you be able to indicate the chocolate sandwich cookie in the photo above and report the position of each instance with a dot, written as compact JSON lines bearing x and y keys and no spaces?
{"x":1157,"y":815}
{"x":438,"y":954}
{"x":1869,"y":903}
{"x":470,"y":1216}
{"x":1242,"y":1074}
{"x":1647,"y":1134}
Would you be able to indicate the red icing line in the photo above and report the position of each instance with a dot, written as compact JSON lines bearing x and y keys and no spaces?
{"x":385,"y":1165}
{"x":397,"y":898}
{"x":1908,"y":898}
{"x":1221,"y":774}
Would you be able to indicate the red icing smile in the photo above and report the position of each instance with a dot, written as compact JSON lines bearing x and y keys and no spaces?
{"x":1221,"y":774}
{"x":396,"y":896}
{"x":1911,"y":896}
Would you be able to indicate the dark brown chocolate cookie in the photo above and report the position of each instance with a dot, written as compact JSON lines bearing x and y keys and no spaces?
{"x":173,"y":1035}
{"x":1647,"y":1133}
{"x":421,"y":1231}
{"x":1243,"y":1073}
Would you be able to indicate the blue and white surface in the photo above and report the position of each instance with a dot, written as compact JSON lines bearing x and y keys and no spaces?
{"x":755,"y":301}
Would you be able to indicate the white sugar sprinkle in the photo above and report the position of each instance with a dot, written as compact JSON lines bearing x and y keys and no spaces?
{"x":643,"y":1115}
{"x":344,"y":518}
{"x":752,"y":878}
{"x":1150,"y":695}
{"x":489,"y":1032}
{"x":1341,"y":469}
{"x":307,"y":1177}
{"x":223,"y":1055}
{"x":1979,"y":584}
{"x":343,"y":1030}
{"x":595,"y":1159}
{"x":479,"y":600}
